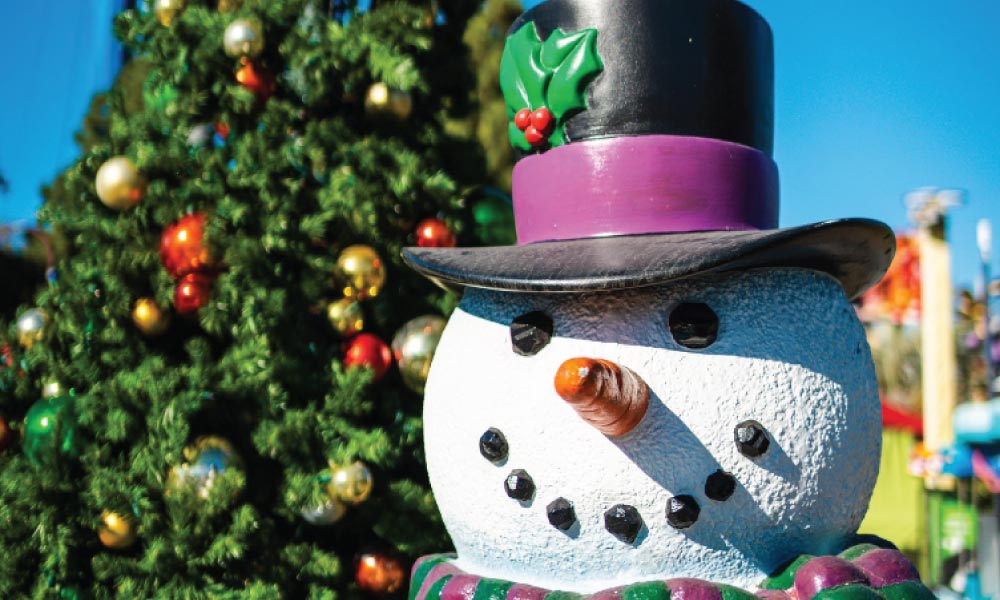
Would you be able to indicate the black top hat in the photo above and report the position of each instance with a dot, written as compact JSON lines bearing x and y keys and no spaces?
{"x":645,"y":130}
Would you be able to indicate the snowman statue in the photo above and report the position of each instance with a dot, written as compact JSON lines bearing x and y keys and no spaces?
{"x":656,"y":393}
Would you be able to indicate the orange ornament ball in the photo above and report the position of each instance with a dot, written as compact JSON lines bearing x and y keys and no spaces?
{"x":192,"y":292}
{"x":256,"y":79}
{"x":182,"y":246}
{"x":368,"y":351}
{"x":434,"y":233}
{"x":380,"y":574}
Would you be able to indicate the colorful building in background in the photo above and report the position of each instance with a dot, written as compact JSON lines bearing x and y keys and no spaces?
{"x":949,"y":535}
{"x":890,"y":312}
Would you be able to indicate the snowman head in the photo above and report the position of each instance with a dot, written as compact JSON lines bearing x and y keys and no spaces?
{"x":759,"y":439}
{"x":656,"y":381}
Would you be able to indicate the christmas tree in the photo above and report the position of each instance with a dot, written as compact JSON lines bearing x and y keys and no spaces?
{"x":485,"y":36}
{"x":218,"y":393}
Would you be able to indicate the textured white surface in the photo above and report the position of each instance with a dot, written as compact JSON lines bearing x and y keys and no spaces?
{"x":790,"y":354}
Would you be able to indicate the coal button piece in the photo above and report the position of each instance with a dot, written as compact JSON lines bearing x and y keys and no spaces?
{"x":519,"y":485}
{"x":493,"y":445}
{"x":751,"y":439}
{"x":561,"y":513}
{"x":531,"y":332}
{"x":682,"y":511}
{"x":720,"y":486}
{"x":694,"y":325}
{"x":624,"y":522}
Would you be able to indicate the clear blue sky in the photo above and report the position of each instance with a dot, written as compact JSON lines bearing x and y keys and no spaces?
{"x":55,"y":56}
{"x":872,"y":99}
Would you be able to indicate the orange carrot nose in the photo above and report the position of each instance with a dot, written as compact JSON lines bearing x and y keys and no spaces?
{"x":608,"y":396}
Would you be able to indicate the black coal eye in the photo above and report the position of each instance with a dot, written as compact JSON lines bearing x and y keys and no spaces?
{"x":694,"y":325}
{"x":720,"y":486}
{"x":623,"y":522}
{"x":751,"y":439}
{"x":561,"y":514}
{"x":531,"y":332}
{"x":493,"y":445}
{"x":682,"y":511}
{"x":519,"y":485}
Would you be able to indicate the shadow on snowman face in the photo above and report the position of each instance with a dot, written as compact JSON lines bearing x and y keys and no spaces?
{"x":687,"y":470}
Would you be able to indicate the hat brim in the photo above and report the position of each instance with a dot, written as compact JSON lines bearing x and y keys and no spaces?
{"x":856,"y":252}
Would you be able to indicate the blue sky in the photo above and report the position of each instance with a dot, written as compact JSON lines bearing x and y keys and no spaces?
{"x":872,"y":99}
{"x":55,"y":56}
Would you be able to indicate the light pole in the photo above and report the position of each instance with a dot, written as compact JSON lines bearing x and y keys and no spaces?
{"x":984,"y":239}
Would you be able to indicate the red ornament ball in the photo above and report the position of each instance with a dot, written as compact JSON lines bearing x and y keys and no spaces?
{"x":192,"y":292}
{"x":543,"y":121}
{"x":433,"y":233}
{"x":367,"y":350}
{"x":6,"y":435}
{"x":380,"y":574}
{"x":522,"y":119}
{"x":182,"y":246}
{"x":256,"y":79}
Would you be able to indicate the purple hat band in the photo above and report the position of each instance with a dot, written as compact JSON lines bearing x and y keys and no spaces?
{"x":643,"y":184}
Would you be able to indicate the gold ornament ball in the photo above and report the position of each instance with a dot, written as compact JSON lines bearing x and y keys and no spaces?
{"x":361,"y":272}
{"x":119,"y":184}
{"x":327,"y":512}
{"x":413,"y":347}
{"x":384,"y":101}
{"x":117,"y":531}
{"x":31,"y":327}
{"x":229,"y":5}
{"x":352,"y":484}
{"x":346,"y":316}
{"x":168,"y":10}
{"x":243,"y":37}
{"x":149,"y":318}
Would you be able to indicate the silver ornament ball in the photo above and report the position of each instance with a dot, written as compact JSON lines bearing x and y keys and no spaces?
{"x":243,"y":37}
{"x":413,"y":347}
{"x":326,"y":513}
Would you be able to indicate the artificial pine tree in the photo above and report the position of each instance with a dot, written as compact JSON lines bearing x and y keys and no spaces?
{"x":204,"y":404}
{"x":485,"y":36}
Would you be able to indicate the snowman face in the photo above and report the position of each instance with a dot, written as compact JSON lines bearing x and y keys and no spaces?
{"x":759,"y":443}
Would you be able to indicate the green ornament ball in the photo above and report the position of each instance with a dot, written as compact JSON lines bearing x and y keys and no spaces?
{"x":50,"y":430}
{"x":73,"y":593}
{"x":493,"y":216}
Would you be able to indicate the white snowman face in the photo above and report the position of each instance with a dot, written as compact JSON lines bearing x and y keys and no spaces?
{"x":789,"y":355}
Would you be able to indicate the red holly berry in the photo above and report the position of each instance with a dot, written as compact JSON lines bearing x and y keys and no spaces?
{"x":543,"y":121}
{"x":522,"y":119}
{"x":192,"y":292}
{"x":534,"y":137}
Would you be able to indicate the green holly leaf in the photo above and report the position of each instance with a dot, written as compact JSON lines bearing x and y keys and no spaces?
{"x":574,"y":62}
{"x":523,"y":79}
{"x":554,"y":74}
{"x":517,"y":138}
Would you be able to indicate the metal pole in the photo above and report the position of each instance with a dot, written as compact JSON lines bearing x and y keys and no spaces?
{"x":984,"y":235}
